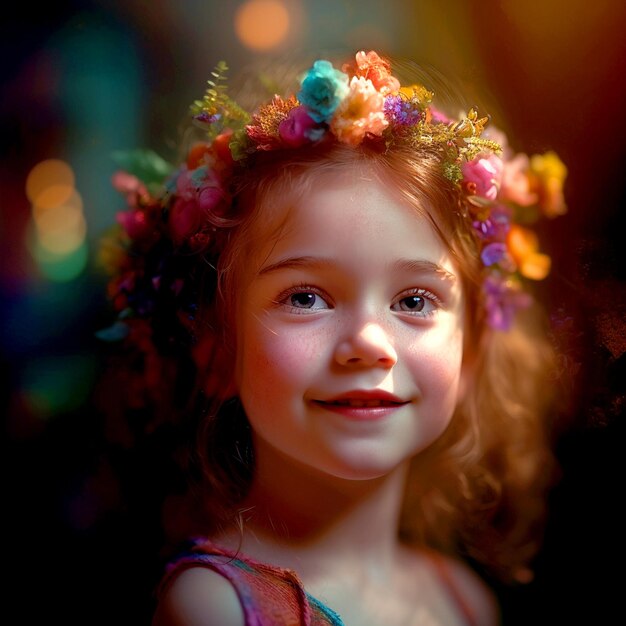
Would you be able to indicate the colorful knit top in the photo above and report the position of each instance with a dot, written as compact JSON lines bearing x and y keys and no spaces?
{"x":269,"y":595}
{"x":272,"y":595}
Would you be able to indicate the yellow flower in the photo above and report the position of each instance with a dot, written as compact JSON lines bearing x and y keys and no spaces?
{"x":419,"y":92}
{"x":111,"y":252}
{"x":548,"y":174}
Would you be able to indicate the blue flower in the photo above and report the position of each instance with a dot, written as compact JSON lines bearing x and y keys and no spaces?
{"x":323,"y":88}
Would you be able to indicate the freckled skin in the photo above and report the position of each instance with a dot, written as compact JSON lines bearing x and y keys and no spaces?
{"x":358,"y":333}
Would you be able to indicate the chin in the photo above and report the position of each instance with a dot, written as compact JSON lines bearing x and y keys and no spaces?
{"x":362,"y":466}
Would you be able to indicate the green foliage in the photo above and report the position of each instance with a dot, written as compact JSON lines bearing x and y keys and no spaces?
{"x":146,"y":165}
{"x":219,"y":108}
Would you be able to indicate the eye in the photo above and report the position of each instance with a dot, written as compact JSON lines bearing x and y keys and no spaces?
{"x":302,"y":298}
{"x":418,"y":302}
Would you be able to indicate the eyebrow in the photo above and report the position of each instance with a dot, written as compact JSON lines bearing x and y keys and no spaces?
{"x":414,"y":266}
{"x":296,"y":262}
{"x":422,"y":266}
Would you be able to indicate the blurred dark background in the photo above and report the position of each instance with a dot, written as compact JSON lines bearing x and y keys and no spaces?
{"x":82,"y":79}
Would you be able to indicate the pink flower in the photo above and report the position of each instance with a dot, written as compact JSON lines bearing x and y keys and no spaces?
{"x":263,"y":131}
{"x":202,"y":185}
{"x":298,"y":128}
{"x":516,"y":181}
{"x":184,"y":219}
{"x":138,"y":224}
{"x":210,"y":199}
{"x":373,"y":67}
{"x":484,"y":174}
{"x":198,"y":192}
{"x":360,"y":112}
{"x":130,"y":186}
{"x":493,"y":133}
{"x":439,"y":117}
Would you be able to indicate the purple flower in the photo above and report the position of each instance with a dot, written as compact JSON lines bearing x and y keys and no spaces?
{"x":484,"y":228}
{"x":502,"y":301}
{"x":493,"y":253}
{"x":401,"y":112}
{"x":501,"y":219}
{"x":206,"y":118}
{"x":495,"y":227}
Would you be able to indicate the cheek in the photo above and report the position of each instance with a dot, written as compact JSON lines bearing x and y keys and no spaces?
{"x":436,"y":364}
{"x":270,"y":360}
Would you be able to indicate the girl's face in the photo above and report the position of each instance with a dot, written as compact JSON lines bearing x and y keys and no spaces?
{"x":350,"y":333}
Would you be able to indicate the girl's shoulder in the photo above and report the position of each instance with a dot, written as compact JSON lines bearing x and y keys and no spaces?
{"x":465,"y":589}
{"x":207,"y":585}
{"x":198,"y":596}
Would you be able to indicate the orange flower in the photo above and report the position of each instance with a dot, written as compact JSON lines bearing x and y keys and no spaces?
{"x":197,"y":154}
{"x":523,"y":246}
{"x":376,"y":69}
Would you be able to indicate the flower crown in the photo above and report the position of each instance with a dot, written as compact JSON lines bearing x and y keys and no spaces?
{"x":175,"y":212}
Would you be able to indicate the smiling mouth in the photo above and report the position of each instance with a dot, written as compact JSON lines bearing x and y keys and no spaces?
{"x":362,"y":403}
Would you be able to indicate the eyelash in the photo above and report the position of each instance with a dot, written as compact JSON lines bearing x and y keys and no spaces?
{"x":306,"y":288}
{"x":301,"y":288}
{"x":422,"y":293}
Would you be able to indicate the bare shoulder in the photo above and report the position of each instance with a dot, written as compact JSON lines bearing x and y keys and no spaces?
{"x":475,"y":591}
{"x":199,"y":596}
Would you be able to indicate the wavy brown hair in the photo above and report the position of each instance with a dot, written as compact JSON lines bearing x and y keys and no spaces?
{"x":481,"y":487}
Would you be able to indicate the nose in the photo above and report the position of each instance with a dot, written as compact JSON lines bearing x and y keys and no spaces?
{"x":368,"y":347}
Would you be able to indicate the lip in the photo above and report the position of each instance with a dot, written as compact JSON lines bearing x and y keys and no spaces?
{"x":370,"y":404}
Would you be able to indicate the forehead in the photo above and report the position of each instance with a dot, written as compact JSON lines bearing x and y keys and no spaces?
{"x":351,"y":214}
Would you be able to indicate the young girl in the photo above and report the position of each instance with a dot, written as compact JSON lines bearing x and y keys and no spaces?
{"x":339,"y":279}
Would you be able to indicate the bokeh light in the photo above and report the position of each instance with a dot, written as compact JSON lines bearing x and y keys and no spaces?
{"x":53,"y":195}
{"x":58,"y":383}
{"x":58,"y":230}
{"x":61,"y":229}
{"x":60,"y":268}
{"x":85,"y":79}
{"x":52,"y":177}
{"x":262,"y":24}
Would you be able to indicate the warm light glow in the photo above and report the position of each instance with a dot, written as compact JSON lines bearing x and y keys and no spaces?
{"x":58,"y":230}
{"x":262,"y":24}
{"x":61,"y":230}
{"x":47,"y":174}
{"x":71,"y":199}
{"x":53,"y":195}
